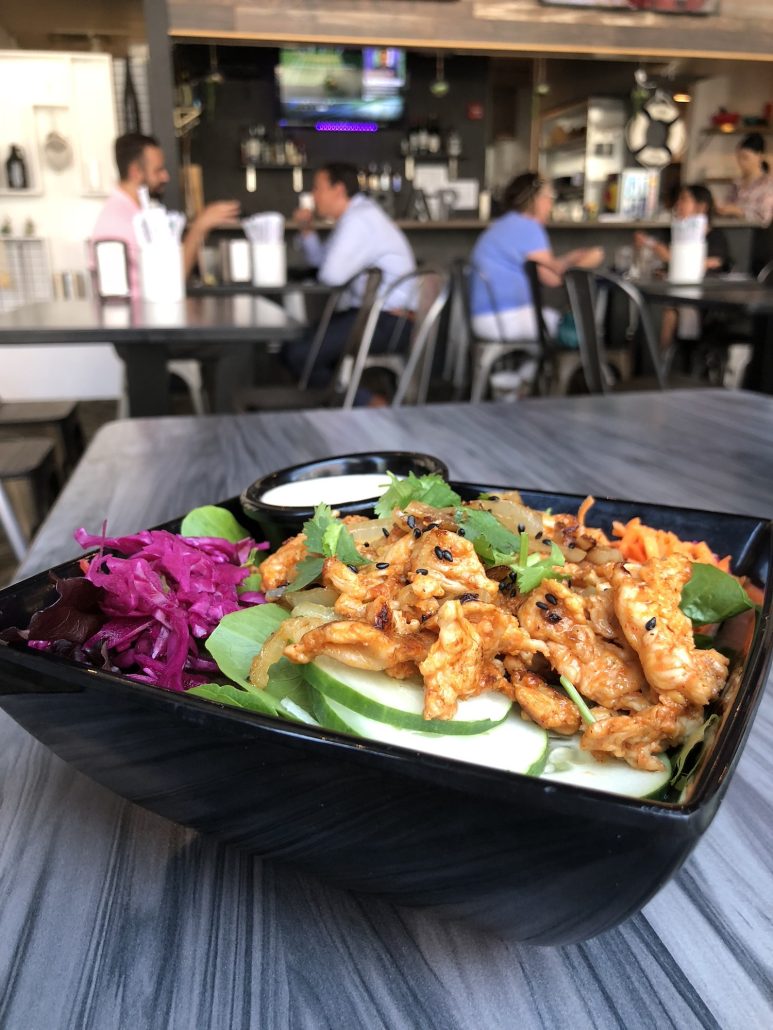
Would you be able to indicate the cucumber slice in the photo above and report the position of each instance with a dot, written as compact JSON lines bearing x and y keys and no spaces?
{"x":567,"y":763}
{"x":399,"y":702}
{"x":512,"y":745}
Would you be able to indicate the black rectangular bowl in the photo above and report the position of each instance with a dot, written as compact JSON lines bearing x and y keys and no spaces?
{"x":526,"y":858}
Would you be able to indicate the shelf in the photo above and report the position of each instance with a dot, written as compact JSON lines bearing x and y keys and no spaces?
{"x":568,"y":147}
{"x":745,"y":130}
{"x":274,"y":168}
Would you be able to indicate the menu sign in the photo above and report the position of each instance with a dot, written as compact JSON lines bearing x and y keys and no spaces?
{"x":656,"y":6}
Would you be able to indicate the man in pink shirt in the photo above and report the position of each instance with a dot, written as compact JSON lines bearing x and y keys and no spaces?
{"x":140,"y":162}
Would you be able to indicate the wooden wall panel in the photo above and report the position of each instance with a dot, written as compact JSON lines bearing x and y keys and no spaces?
{"x":743,"y":30}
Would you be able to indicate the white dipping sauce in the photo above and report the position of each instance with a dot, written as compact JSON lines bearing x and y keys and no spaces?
{"x":306,"y":493}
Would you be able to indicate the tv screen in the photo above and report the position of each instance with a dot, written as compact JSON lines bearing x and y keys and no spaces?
{"x":339,"y":83}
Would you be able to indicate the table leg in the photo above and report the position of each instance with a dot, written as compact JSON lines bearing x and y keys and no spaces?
{"x":232,"y":371}
{"x":759,"y":372}
{"x":147,"y":380}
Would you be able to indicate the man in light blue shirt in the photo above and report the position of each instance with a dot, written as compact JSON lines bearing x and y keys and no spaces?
{"x":363,"y":237}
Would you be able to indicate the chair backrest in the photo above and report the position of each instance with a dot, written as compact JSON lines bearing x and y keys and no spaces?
{"x":434,"y":294}
{"x":430,"y":284}
{"x":343,"y":375}
{"x":582,"y":286}
{"x":331,"y":306}
{"x":464,"y":275}
{"x":765,"y":274}
{"x":538,"y":302}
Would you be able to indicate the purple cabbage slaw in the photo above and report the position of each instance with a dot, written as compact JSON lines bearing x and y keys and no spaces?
{"x":161,"y":596}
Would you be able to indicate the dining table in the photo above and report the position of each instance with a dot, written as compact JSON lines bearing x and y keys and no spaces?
{"x":114,"y":917}
{"x":220,"y":331}
{"x":728,"y":293}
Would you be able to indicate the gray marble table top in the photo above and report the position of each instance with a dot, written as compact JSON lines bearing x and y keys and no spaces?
{"x":113,"y":917}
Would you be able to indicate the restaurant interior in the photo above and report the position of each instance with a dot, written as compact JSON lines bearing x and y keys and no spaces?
{"x":533,"y":238}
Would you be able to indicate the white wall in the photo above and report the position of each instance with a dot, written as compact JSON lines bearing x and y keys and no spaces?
{"x":743,"y":88}
{"x":71,"y":94}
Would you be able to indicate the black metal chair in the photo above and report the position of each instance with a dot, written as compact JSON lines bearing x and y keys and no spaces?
{"x":482,"y":352}
{"x":58,"y":420}
{"x":410,"y":365}
{"x":285,"y":398}
{"x":30,"y":462}
{"x":582,"y":288}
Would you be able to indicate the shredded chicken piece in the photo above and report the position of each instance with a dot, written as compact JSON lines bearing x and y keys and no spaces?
{"x":359,"y":645}
{"x":279,"y":567}
{"x":451,"y":568}
{"x":639,"y":737}
{"x":647,"y":604}
{"x":451,"y":669}
{"x":599,"y":669}
{"x":548,"y":707}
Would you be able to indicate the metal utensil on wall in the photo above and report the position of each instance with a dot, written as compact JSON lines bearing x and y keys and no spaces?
{"x":57,"y":149}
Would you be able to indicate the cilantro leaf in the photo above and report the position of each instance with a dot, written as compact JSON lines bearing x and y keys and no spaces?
{"x":496,"y":545}
{"x":314,"y":529}
{"x":307,"y":571}
{"x":536,"y":569}
{"x":487,"y":534}
{"x":431,"y":490}
{"x":327,"y":536}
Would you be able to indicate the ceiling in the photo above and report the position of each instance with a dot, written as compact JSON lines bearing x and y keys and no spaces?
{"x":105,"y":25}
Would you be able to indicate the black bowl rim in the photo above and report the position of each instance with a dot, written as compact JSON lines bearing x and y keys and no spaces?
{"x":714,"y":773}
{"x":277,"y":477}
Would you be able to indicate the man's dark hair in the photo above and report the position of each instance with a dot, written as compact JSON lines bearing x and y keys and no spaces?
{"x":130,"y":148}
{"x":340,"y":171}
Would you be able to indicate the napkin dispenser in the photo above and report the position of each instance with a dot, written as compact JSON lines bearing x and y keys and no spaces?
{"x":687,"y":263}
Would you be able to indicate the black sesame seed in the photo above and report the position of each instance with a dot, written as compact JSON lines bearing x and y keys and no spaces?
{"x":554,"y":617}
{"x":521,"y":527}
{"x":550,"y":598}
{"x":512,"y":576}
{"x":542,"y":605}
{"x":461,"y":532}
{"x":538,"y":536}
{"x":385,"y":531}
{"x":425,"y":617}
{"x":382,"y":564}
{"x":503,"y":586}
{"x":447,"y":556}
{"x":651,"y":624}
{"x":468,"y":597}
{"x":493,"y":498}
{"x":417,"y":533}
{"x":353,"y":568}
{"x":434,"y":525}
{"x":411,"y":522}
{"x":569,"y":583}
{"x":366,"y":544}
{"x":422,"y":572}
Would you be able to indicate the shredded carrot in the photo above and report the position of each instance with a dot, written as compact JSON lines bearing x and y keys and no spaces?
{"x":639,"y":543}
{"x":584,"y":508}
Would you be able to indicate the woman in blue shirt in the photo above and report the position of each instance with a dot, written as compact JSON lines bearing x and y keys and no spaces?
{"x":501,"y":299}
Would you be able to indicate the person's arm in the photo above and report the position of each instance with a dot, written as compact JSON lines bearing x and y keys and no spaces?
{"x":308,"y":242}
{"x":222,"y":212}
{"x":350,"y":249}
{"x":552,"y":267}
{"x":658,"y":247}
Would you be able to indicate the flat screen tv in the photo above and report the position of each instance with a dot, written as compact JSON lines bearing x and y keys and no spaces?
{"x":338,"y":83}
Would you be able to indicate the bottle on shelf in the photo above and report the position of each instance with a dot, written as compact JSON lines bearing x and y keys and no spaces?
{"x":16,"y":169}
